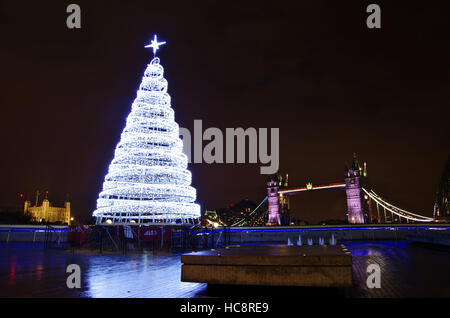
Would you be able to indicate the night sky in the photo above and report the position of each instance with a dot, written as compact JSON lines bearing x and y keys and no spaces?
{"x":311,"y":68}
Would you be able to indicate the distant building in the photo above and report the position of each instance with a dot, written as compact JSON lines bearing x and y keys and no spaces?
{"x":209,"y":218}
{"x":47,"y":213}
{"x":442,"y":204}
{"x":235,"y":213}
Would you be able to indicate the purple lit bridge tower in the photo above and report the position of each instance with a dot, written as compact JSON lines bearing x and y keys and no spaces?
{"x":273,"y":201}
{"x":353,"y":191}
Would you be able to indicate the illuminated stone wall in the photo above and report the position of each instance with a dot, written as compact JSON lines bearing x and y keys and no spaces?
{"x":48,"y":213}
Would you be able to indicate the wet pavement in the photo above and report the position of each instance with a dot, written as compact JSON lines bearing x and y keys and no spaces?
{"x":407,"y":270}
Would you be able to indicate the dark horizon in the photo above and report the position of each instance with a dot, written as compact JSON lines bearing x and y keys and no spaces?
{"x":314,"y":70}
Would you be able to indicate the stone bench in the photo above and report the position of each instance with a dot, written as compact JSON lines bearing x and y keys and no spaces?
{"x":270,"y":265}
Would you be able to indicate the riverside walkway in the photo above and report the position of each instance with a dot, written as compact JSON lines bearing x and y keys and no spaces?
{"x":407,"y":270}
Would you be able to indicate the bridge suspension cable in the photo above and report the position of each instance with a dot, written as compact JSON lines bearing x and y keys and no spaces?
{"x":395,"y":210}
{"x":240,"y":223}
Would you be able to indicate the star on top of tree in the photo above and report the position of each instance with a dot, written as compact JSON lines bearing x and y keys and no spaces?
{"x":154,"y":44}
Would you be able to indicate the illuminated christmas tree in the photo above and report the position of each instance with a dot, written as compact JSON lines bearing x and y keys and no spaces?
{"x":148,"y":180}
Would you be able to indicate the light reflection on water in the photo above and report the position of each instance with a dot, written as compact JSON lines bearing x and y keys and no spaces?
{"x":139,"y":275}
{"x":12,"y":273}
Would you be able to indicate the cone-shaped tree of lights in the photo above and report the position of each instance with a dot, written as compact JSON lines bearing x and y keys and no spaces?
{"x":148,"y":180}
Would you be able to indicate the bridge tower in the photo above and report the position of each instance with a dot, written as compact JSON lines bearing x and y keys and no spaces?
{"x":353,"y":191}
{"x":273,"y":201}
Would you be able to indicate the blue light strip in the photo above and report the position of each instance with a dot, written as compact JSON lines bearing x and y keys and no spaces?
{"x":34,"y":230}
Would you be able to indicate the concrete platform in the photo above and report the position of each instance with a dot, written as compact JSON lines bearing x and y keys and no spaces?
{"x":274,"y":265}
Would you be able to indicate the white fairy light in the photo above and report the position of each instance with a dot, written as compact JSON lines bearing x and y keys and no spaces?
{"x":148,"y":180}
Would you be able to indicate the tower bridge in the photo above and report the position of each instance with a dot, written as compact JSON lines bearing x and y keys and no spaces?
{"x":363,"y":204}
